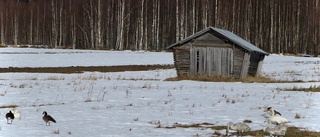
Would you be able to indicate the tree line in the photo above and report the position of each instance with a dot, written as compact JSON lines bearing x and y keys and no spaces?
{"x":276,"y":26}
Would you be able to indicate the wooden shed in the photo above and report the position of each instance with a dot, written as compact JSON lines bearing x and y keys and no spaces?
{"x":217,"y":52}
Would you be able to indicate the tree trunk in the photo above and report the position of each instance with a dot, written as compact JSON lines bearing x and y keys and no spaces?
{"x":2,"y":38}
{"x":121,"y":6}
{"x":60,"y":24}
{"x":141,"y":26}
{"x":98,"y":34}
{"x":30,"y":36}
{"x":54,"y":25}
{"x":16,"y":28}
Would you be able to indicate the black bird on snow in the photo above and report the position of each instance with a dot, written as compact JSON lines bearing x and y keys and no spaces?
{"x":47,"y":118}
{"x":9,"y":117}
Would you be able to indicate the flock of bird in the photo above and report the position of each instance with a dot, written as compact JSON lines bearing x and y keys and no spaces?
{"x":276,"y":125}
{"x":11,"y":116}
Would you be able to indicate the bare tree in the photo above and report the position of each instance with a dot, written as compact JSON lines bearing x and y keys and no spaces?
{"x":99,"y":18}
{"x":54,"y":34}
{"x":16,"y":25}
{"x":120,"y":19}
{"x":2,"y":22}
{"x":286,"y":26}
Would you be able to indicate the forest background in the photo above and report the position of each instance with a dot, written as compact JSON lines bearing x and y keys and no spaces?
{"x":276,"y":26}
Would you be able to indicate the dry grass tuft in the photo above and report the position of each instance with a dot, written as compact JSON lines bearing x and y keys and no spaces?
{"x":259,"y":79}
{"x":88,"y":100}
{"x":56,"y":131}
{"x":56,"y":78}
{"x":297,"y":116}
{"x":247,"y":121}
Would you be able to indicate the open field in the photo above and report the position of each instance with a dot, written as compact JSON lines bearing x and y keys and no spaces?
{"x":142,"y":103}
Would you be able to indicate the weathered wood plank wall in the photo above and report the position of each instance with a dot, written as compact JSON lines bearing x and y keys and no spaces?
{"x":237,"y":61}
{"x":182,"y":60}
{"x":255,"y":59}
{"x":245,"y":66}
{"x":211,"y":61}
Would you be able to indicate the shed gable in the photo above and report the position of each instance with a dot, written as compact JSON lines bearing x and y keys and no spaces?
{"x":209,"y":37}
{"x":210,"y":40}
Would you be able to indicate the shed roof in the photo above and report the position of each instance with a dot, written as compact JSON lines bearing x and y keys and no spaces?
{"x":227,"y":35}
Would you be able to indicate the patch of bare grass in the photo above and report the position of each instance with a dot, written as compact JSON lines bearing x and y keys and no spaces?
{"x":260,"y":79}
{"x":291,"y":131}
{"x":80,"y":69}
{"x":203,"y":78}
{"x":91,"y":77}
{"x":180,"y":125}
{"x":9,"y":106}
{"x":249,"y":79}
{"x":312,"y":88}
{"x":297,"y":132}
{"x":56,"y":78}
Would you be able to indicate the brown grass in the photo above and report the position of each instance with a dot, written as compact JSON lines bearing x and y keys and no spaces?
{"x":80,"y":69}
{"x":203,"y":78}
{"x":310,"y":89}
{"x":291,"y":132}
{"x":9,"y":106}
{"x":249,"y":79}
{"x":297,"y":116}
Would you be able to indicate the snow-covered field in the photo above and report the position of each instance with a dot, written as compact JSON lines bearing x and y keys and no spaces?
{"x":122,"y":104}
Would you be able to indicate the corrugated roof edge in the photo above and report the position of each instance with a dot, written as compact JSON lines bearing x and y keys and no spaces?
{"x":227,"y":34}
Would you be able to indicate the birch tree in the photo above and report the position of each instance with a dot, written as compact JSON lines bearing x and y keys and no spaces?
{"x":16,"y":25}
{"x":54,"y":34}
{"x":60,"y":34}
{"x":2,"y":38}
{"x":120,"y":19}
{"x":98,"y":33}
{"x":280,"y":26}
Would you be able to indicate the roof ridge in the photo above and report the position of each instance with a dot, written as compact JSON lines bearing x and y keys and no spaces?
{"x":227,"y":34}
